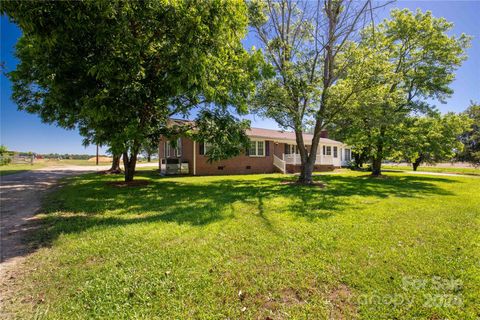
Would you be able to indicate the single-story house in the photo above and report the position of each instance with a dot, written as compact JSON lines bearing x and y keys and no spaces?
{"x":270,"y":151}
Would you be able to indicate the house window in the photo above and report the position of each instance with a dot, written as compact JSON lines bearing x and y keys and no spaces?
{"x":257,"y":149}
{"x":260,"y":148}
{"x":335,"y":152}
{"x":348,"y":155}
{"x":178,"y":149}
{"x":327,"y":150}
{"x":169,"y":150}
{"x":206,"y":146}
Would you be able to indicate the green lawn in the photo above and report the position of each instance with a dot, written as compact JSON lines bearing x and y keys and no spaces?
{"x":252,"y":247}
{"x":17,"y":168}
{"x":469,"y":171}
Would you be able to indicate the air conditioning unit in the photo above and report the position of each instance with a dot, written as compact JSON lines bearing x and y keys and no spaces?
{"x":174,"y":166}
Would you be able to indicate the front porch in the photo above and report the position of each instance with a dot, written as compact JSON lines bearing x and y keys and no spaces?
{"x":291,"y":163}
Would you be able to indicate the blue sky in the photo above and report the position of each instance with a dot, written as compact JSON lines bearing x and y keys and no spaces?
{"x":25,"y":132}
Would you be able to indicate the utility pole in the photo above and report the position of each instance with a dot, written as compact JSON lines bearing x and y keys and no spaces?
{"x":97,"y":155}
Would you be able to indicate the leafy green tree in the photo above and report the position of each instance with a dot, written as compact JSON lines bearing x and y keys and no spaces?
{"x":431,"y":139}
{"x":471,"y":136}
{"x":149,"y":148}
{"x":118,"y":70}
{"x":4,"y":155}
{"x":308,"y":45}
{"x":418,"y":60}
{"x":225,"y":134}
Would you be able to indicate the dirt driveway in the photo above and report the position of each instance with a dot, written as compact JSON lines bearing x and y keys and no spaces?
{"x":20,"y":199}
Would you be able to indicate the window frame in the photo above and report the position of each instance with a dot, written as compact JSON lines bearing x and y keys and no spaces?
{"x":256,"y":155}
{"x":178,"y":149}
{"x":335,"y":151}
{"x":328,"y":150}
{"x":206,"y":146}
{"x":169,"y":151}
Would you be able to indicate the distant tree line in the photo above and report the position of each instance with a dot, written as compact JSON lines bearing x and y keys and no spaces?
{"x":66,"y":156}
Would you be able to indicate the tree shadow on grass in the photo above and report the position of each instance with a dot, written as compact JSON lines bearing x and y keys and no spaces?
{"x":90,"y":202}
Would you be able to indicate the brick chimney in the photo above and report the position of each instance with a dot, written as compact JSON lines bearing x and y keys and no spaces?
{"x":324,"y":134}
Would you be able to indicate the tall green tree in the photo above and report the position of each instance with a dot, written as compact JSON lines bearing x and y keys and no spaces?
{"x":471,"y":136}
{"x":308,"y":45}
{"x":118,"y":70}
{"x":418,"y":59}
{"x":430,"y":139}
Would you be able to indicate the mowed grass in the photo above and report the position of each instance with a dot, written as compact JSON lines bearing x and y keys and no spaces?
{"x":253,"y":247}
{"x":456,"y":170}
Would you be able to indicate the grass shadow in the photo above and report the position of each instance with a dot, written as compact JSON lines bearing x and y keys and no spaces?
{"x":88,"y":201}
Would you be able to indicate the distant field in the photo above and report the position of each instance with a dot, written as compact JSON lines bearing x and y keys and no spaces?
{"x":69,"y":162}
{"x":16,"y":168}
{"x":455,"y":170}
{"x":42,"y":163}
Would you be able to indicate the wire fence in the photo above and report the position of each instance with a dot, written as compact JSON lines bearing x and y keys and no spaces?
{"x":16,"y":159}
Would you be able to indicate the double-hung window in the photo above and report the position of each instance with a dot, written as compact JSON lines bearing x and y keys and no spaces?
{"x":178,"y":149}
{"x":170,"y":151}
{"x":335,"y":152}
{"x":206,"y":147}
{"x":327,"y":150}
{"x":257,"y":149}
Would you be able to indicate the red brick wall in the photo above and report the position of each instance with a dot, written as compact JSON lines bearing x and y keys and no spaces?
{"x":278,"y":149}
{"x":236,"y":165}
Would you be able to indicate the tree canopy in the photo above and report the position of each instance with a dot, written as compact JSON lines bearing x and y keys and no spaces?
{"x":417,"y":59}
{"x":471,"y":136}
{"x":430,"y":139}
{"x":118,"y":70}
{"x":305,"y":44}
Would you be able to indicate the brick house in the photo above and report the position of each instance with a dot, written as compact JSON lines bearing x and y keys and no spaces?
{"x":270,"y":151}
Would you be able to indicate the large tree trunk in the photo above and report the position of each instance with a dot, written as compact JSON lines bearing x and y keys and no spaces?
{"x":359,"y":159}
{"x":378,"y":157}
{"x":376,"y":166}
{"x":416,"y":163}
{"x":129,"y":163}
{"x":306,"y":173}
{"x":308,"y":159}
{"x":377,"y":160}
{"x":115,"y":168}
{"x":149,"y":157}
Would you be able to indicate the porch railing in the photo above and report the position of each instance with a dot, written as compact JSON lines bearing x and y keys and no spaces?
{"x":295,"y":159}
{"x":279,"y":163}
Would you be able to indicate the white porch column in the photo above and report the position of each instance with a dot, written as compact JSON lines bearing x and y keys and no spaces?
{"x":194,"y":159}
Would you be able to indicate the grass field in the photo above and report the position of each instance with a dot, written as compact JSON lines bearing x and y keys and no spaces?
{"x":17,"y":168}
{"x":253,"y":247}
{"x":38,"y":164}
{"x":469,"y":171}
